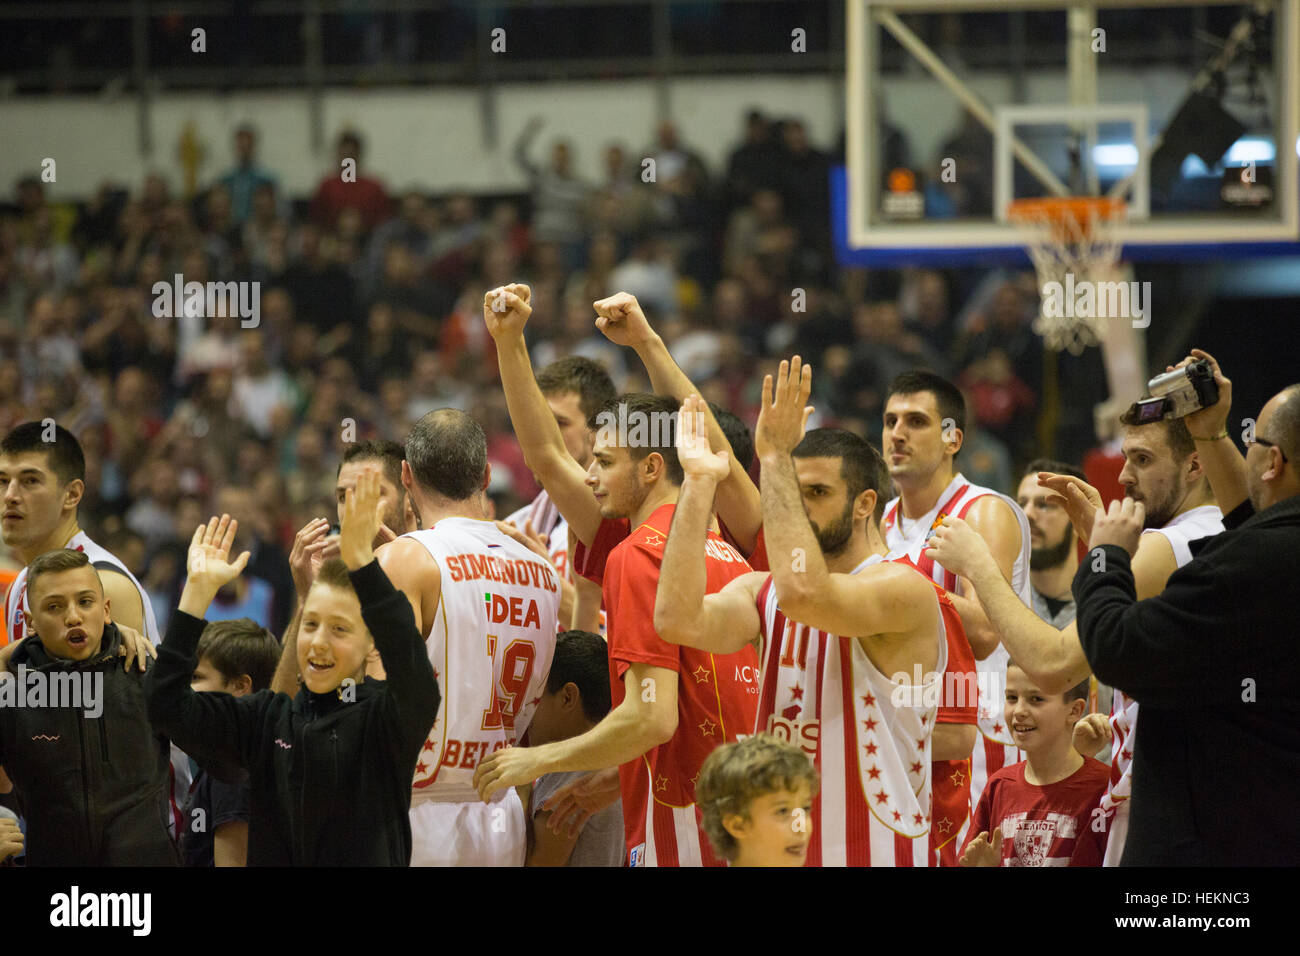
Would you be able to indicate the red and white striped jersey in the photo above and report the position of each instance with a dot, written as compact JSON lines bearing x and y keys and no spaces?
{"x":491,"y":645}
{"x":996,"y":748}
{"x":1194,"y":523}
{"x":871,"y":746}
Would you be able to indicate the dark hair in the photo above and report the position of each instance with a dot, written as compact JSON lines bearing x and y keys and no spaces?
{"x":581,"y":375}
{"x":661,"y":438}
{"x":447,"y":452}
{"x":65,"y":457}
{"x":52,"y":562}
{"x":1180,"y":440}
{"x":947,"y":397}
{"x":382,"y":450}
{"x":738,"y":435}
{"x":239,"y":647}
{"x":582,"y":658}
{"x":1055,"y":467}
{"x":861,"y":466}
{"x":1079,"y":691}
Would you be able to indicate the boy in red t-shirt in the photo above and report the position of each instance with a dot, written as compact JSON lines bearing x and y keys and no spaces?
{"x":1041,"y":810}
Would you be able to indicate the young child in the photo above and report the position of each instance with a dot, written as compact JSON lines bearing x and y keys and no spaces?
{"x":1041,"y":809}
{"x":577,"y":697}
{"x":237,"y":658}
{"x":756,"y":797}
{"x":90,"y":772}
{"x":329,"y":770}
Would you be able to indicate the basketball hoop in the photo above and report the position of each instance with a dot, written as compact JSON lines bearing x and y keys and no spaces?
{"x":1070,"y":240}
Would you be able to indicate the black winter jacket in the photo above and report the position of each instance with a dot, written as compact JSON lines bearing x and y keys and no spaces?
{"x":330,"y":780}
{"x":94,"y":789}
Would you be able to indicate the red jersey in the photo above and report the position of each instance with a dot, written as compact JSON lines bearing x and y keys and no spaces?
{"x":1044,"y":826}
{"x":717,"y":695}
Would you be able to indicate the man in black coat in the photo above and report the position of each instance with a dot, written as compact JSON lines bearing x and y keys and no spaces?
{"x":1213,"y":659}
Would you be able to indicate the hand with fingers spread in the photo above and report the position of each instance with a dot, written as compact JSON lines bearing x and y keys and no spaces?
{"x":621,"y":320}
{"x":958,"y":548}
{"x":308,"y":553}
{"x":783,"y":415}
{"x":209,"y":565}
{"x":698,"y":459}
{"x":983,"y":852}
{"x":363,"y":516}
{"x":1091,"y":734}
{"x":1121,"y":525}
{"x":1079,"y":499}
{"x":135,"y":648}
{"x":506,"y":310}
{"x":574,"y":804}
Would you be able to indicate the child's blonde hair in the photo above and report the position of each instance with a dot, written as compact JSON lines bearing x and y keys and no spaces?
{"x":737,"y":774}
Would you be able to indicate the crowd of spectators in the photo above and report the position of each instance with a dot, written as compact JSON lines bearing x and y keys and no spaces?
{"x":369,"y":315}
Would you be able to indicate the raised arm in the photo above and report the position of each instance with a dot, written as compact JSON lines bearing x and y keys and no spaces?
{"x":1225,"y":467}
{"x":506,"y":311}
{"x":992,"y":520}
{"x":623,"y":322}
{"x":720,"y":623}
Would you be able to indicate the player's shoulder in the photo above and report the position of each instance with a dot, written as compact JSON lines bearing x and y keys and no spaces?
{"x":989,"y":506}
{"x":405,"y":558}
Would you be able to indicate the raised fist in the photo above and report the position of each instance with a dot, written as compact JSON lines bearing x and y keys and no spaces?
{"x":506,"y":310}
{"x":621,"y":320}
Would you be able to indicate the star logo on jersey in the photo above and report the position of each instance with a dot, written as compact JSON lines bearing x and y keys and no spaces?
{"x":916,"y":767}
{"x":1126,"y":754}
{"x":944,"y":825}
{"x":654,"y":540}
{"x":916,"y":818}
{"x":428,"y":745}
{"x":881,"y":797}
{"x":873,"y":772}
{"x":997,"y":728}
{"x":701,"y":675}
{"x":421,"y":767}
{"x":708,"y":727}
{"x":870,"y":748}
{"x":920,"y":744}
{"x":695,"y":780}
{"x":959,"y":779}
{"x":535,"y":701}
{"x":870,"y":724}
{"x":661,"y":784}
{"x":897,"y":816}
{"x":868,"y":700}
{"x":796,"y":693}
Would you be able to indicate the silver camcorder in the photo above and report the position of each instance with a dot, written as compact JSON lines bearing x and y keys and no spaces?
{"x":1178,"y":393}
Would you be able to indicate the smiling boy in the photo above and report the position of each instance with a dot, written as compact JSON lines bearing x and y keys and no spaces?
{"x":329,"y":770}
{"x":1041,"y":810}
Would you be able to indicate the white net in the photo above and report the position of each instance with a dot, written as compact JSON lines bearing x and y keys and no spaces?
{"x":1073,"y":245}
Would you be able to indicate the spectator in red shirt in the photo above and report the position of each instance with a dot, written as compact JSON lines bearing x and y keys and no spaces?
{"x":1040,"y":811}
{"x":345,"y":187}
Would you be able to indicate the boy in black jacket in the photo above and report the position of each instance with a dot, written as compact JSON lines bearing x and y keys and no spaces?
{"x":330,"y":770}
{"x":90,"y":773}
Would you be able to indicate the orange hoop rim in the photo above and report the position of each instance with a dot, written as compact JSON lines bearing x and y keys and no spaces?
{"x":1062,"y":212}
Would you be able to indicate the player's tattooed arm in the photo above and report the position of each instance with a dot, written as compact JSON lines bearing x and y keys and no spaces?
{"x":506,"y":311}
{"x":1053,"y":659}
{"x":646,"y":718}
{"x":721,"y":623}
{"x":621,"y":319}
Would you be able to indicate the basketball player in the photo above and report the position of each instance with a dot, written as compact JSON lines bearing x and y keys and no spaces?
{"x":574,"y":389}
{"x":923,"y":422}
{"x":42,"y":483}
{"x":869,"y":734}
{"x":671,"y":706}
{"x":488,"y":607}
{"x":1162,"y":470}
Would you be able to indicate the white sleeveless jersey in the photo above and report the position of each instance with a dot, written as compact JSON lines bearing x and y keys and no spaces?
{"x":996,"y":748}
{"x":16,"y":602}
{"x":1180,"y":532}
{"x":491,"y":645}
{"x":821,"y":692}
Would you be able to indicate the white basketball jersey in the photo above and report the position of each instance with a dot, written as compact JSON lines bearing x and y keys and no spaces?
{"x":1180,"y":532}
{"x":822,"y":693}
{"x":996,"y":748}
{"x":16,"y":602}
{"x":491,"y":645}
